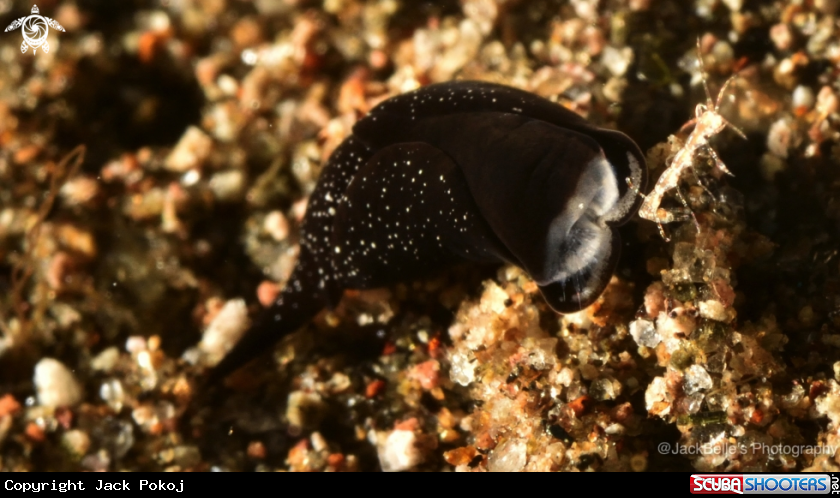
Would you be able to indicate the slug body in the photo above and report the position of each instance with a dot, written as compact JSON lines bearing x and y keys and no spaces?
{"x":453,"y":171}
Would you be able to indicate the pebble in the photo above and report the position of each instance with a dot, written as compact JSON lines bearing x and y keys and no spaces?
{"x":223,"y":332}
{"x":228,"y":185}
{"x":461,"y":369}
{"x":76,"y":442}
{"x":483,"y":12}
{"x":494,"y":299}
{"x":182,"y":456}
{"x":617,"y":60}
{"x":656,"y":397}
{"x":605,"y":389}
{"x":644,"y":333}
{"x":192,"y":150}
{"x":697,"y":379}
{"x":713,"y":310}
{"x":135,"y":344}
{"x":398,"y":451}
{"x":829,"y":404}
{"x":734,"y":5}
{"x":781,"y":137}
{"x":827,"y":7}
{"x":509,"y":456}
{"x":112,"y":393}
{"x":782,"y":36}
{"x":97,"y":462}
{"x":276,"y":225}
{"x":106,"y":360}
{"x":267,"y":292}
{"x":122,"y":438}
{"x":55,"y":384}
{"x":427,"y":374}
{"x":803,"y":98}
{"x":80,"y":191}
{"x":827,"y":102}
{"x":305,"y":409}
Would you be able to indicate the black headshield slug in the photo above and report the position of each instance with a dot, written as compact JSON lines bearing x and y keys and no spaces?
{"x":453,"y":171}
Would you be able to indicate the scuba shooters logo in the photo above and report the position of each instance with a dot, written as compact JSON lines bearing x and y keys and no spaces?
{"x":35,"y":30}
{"x":740,"y":484}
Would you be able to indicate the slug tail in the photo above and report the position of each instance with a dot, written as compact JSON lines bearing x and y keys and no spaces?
{"x":293,"y":308}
